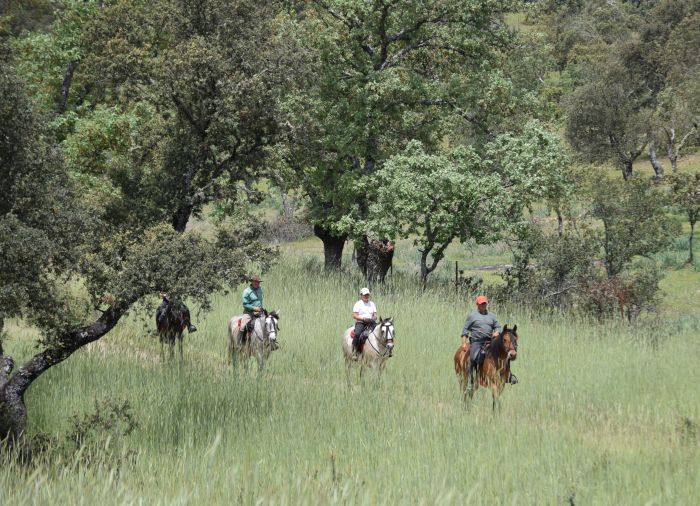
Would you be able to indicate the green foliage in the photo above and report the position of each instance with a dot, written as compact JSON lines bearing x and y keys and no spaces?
{"x":396,"y":72}
{"x":608,"y":115}
{"x":435,"y":198}
{"x":191,"y":103}
{"x":534,"y":165}
{"x":48,"y":58}
{"x":42,"y":225}
{"x":685,"y":196}
{"x":635,"y":221}
{"x":549,"y":267}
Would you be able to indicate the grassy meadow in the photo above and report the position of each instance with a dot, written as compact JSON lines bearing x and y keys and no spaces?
{"x":604,"y":414}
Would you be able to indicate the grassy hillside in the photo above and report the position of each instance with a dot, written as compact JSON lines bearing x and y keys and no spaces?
{"x":603,"y":414}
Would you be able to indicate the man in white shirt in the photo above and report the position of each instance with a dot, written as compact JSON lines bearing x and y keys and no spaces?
{"x":364,"y":313}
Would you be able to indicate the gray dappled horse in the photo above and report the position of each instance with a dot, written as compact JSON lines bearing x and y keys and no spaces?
{"x":376,"y":350}
{"x":260,"y":343}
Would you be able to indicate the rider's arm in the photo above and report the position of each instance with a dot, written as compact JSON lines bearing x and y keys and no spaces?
{"x":246,"y":299}
{"x":357,"y":316}
{"x":496,"y":328}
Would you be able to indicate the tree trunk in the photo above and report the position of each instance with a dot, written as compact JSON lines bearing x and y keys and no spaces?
{"x":65,"y":87}
{"x":690,"y":242}
{"x":332,"y":247}
{"x":181,"y":217}
{"x":626,"y":169}
{"x":13,"y":412}
{"x":655,"y":164}
{"x":560,"y":222}
{"x":374,"y":258}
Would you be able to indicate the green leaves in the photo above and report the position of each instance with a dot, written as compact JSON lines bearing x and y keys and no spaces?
{"x":635,"y":222}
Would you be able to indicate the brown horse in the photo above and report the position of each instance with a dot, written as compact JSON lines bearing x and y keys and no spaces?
{"x":494,"y":372}
{"x":172,"y":319}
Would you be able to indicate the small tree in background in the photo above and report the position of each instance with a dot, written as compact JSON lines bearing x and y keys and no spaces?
{"x":634,"y":218}
{"x":686,"y":197}
{"x":436,"y":199}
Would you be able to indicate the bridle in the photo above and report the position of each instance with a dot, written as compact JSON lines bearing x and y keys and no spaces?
{"x":386,"y":334}
{"x":271,"y":326}
{"x":513,"y":342}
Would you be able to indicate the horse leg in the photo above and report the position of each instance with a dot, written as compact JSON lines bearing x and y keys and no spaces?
{"x":377,"y":370}
{"x":495,"y":393}
{"x":260,"y":356}
{"x":179,"y":344}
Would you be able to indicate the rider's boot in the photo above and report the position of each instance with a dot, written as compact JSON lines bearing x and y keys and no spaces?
{"x":512,"y":379}
{"x":355,"y":347}
{"x":191,"y":328}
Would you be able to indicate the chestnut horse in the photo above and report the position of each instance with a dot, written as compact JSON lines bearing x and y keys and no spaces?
{"x":494,"y":372}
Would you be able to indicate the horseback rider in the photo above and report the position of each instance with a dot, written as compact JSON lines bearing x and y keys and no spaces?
{"x":481,"y":326}
{"x":364,"y":312}
{"x":252,"y":304}
{"x":163,"y":310}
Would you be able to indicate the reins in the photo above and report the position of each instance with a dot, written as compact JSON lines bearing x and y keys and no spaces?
{"x":389,"y":338}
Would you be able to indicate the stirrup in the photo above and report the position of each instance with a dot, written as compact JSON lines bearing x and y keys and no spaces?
{"x":512,"y":379}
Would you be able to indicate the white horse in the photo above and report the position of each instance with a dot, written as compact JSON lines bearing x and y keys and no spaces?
{"x":260,"y":343}
{"x":376,"y":350}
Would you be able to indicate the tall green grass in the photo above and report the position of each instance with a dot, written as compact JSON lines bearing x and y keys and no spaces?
{"x":604,"y":414}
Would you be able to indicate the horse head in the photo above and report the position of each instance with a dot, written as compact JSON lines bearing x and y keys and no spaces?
{"x":386,"y":333}
{"x":271,"y":325}
{"x":510,"y":341}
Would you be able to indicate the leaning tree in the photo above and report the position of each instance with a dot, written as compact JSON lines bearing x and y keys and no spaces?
{"x":104,"y":227}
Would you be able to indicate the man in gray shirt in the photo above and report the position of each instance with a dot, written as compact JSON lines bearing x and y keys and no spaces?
{"x":481,"y":326}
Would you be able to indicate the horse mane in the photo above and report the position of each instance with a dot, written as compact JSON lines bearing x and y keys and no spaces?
{"x":496,"y":346}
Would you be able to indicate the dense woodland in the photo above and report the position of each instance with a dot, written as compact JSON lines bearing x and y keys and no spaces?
{"x":122,"y":122}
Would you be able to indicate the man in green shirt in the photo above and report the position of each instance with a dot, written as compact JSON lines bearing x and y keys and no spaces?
{"x":252,"y":303}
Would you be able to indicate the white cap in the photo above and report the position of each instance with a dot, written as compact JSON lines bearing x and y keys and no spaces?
{"x":364,"y":291}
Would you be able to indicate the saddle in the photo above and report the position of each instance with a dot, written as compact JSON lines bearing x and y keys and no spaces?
{"x":242,"y":331}
{"x":361,"y":340}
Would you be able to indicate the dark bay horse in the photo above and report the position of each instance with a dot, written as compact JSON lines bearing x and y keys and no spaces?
{"x":494,"y":372}
{"x":172,"y":318}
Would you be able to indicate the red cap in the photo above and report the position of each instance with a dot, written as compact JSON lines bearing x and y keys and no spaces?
{"x":481,"y":299}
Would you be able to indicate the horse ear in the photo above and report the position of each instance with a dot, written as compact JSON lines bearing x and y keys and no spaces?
{"x":515,"y":329}
{"x":505,"y":328}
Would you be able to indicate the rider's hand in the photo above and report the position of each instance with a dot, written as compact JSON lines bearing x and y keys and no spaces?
{"x":464,"y":346}
{"x":368,"y":320}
